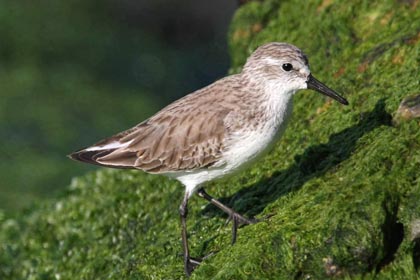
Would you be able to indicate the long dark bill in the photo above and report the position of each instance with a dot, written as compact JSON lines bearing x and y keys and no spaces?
{"x":320,"y":87}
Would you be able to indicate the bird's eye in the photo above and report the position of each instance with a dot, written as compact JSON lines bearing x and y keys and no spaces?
{"x":287,"y":67}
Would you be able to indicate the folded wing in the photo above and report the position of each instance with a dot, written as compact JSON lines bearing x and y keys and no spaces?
{"x":174,"y":139}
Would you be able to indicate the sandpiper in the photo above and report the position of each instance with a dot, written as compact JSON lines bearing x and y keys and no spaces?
{"x":216,"y":130}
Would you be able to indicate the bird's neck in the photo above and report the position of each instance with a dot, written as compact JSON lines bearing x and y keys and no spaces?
{"x":272,"y":100}
{"x":277,"y":101}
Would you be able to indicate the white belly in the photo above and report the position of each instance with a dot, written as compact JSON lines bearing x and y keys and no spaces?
{"x":248,"y":148}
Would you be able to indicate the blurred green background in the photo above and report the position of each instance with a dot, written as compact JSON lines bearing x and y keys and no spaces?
{"x":73,"y":72}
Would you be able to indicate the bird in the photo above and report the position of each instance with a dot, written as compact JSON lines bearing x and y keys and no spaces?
{"x":215,"y":131}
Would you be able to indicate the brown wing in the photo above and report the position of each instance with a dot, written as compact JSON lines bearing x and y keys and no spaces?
{"x":171,"y":142}
{"x":186,"y":135}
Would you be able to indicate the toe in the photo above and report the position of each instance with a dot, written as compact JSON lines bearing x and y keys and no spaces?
{"x":191,"y":264}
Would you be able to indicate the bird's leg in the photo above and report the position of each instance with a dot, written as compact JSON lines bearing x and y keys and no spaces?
{"x":237,"y":219}
{"x":189,"y":263}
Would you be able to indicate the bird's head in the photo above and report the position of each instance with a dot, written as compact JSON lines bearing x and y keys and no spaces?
{"x":288,"y":66}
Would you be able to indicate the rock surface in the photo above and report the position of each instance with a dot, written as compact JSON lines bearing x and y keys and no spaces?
{"x":342,"y":187}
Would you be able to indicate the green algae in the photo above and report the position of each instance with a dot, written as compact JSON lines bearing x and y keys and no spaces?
{"x":341,"y":189}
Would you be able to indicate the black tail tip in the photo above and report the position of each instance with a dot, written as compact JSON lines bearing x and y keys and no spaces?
{"x":72,"y":156}
{"x":82,"y":155}
{"x":89,"y":156}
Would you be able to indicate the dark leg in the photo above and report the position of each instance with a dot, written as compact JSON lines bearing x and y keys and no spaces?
{"x":237,"y":219}
{"x":189,"y":263}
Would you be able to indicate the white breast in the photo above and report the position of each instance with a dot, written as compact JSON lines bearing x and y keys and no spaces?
{"x":248,"y":145}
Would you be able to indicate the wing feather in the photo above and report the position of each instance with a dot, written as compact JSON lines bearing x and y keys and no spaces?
{"x":186,"y":135}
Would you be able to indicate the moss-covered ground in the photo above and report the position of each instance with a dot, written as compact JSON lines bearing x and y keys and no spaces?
{"x":341,"y":189}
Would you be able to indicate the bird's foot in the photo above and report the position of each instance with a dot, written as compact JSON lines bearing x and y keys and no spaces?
{"x":191,"y":263}
{"x":239,"y":220}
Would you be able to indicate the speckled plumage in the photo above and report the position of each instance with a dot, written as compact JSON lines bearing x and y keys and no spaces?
{"x":216,"y":130}
{"x":197,"y":132}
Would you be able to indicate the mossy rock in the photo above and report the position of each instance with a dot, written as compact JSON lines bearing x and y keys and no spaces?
{"x":341,"y":189}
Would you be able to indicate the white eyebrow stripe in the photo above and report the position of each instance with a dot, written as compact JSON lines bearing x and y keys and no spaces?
{"x":272,"y":61}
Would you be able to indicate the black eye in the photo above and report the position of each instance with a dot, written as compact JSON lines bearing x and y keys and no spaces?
{"x":287,"y":67}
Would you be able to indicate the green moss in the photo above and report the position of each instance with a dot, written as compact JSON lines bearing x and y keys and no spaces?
{"x":341,"y":189}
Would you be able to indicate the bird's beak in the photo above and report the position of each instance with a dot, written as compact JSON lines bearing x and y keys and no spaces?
{"x":320,"y":87}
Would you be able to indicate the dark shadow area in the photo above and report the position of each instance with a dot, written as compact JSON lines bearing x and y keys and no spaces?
{"x":416,"y":255}
{"x":393,"y":232}
{"x":380,"y":49}
{"x":314,"y":162}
